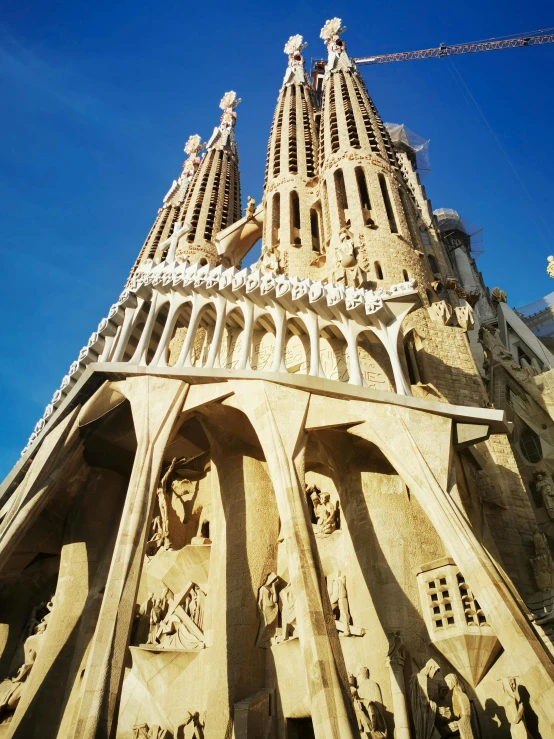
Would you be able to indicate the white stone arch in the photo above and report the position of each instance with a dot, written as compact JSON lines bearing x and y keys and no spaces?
{"x":263,"y":343}
{"x":175,"y":333}
{"x":297,"y":354}
{"x":232,"y":340}
{"x":334,"y":357}
{"x":374,"y":361}
{"x":157,"y":330}
{"x":204,"y":328}
{"x":139,"y":321}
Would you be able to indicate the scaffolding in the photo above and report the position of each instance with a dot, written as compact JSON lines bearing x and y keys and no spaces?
{"x":449,"y":222}
{"x":415,"y":146}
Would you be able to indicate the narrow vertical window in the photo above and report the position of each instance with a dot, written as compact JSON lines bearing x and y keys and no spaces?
{"x":388,"y":204}
{"x":363,"y":193}
{"x":378,"y":271}
{"x":340,"y":192}
{"x":314,"y":225}
{"x":275,"y":218}
{"x":433,"y":263}
{"x":405,"y":275}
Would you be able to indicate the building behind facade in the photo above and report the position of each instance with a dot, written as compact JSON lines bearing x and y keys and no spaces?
{"x":284,"y":501}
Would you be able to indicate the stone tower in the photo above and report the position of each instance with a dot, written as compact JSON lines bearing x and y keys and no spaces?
{"x":275,"y":501}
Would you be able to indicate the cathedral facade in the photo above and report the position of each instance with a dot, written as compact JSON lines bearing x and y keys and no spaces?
{"x":278,"y":501}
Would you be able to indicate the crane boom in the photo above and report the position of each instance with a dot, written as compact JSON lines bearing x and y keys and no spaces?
{"x":533,"y":38}
{"x":468,"y":48}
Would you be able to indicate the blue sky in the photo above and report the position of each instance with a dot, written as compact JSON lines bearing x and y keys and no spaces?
{"x":99,"y":98}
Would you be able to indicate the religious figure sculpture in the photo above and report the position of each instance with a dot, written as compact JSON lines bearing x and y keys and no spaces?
{"x":142,"y":620}
{"x":514,"y":709}
{"x":269,"y":261}
{"x":325,"y":512}
{"x":250,"y":207}
{"x":349,"y":271}
{"x":288,"y":613}
{"x":339,"y":603}
{"x":369,"y":712}
{"x":542,"y":564}
{"x":461,"y":708}
{"x":176,"y":622}
{"x":12,"y":687}
{"x":269,"y":610}
{"x":544,"y":488}
{"x":424,"y":709}
{"x":157,"y":613}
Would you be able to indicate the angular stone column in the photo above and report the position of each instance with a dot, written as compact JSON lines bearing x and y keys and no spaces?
{"x":277,"y":414}
{"x":395,"y":663}
{"x":156,"y":404}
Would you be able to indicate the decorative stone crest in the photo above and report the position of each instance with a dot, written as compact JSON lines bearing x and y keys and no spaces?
{"x":295,"y":74}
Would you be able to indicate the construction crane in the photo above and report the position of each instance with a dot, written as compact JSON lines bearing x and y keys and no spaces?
{"x":532,"y":38}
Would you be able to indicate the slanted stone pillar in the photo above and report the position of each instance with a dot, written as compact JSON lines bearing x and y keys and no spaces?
{"x":156,"y":404}
{"x":277,"y":414}
{"x":395,"y":663}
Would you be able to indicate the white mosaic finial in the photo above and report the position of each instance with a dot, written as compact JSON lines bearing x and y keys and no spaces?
{"x":229,"y":100}
{"x":332,"y":29}
{"x":550,"y":267}
{"x":193,"y":145}
{"x":295,"y":45}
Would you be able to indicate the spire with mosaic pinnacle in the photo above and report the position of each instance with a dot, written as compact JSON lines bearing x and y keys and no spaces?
{"x":212,"y":201}
{"x":293,"y":214}
{"x":367,"y":207}
{"x":170,"y":212}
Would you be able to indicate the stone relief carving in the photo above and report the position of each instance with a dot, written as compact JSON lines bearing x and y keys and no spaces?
{"x":173,"y":623}
{"x":268,"y":604}
{"x":368,"y":707}
{"x":269,"y":261}
{"x":541,"y":563}
{"x":338,"y":596}
{"x":288,"y":614}
{"x":425,"y":710}
{"x":461,"y":708}
{"x":441,"y":311}
{"x":12,"y":687}
{"x":464,"y":317}
{"x":544,"y":488}
{"x":348,"y":270}
{"x":514,"y":709}
{"x":326,"y":512}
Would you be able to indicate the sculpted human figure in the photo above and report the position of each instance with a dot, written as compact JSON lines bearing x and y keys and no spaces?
{"x":349,"y":270}
{"x":514,"y":709}
{"x":142,"y":620}
{"x":288,"y":612}
{"x":544,"y":487}
{"x":269,"y":260}
{"x":250,"y":207}
{"x":339,"y":601}
{"x":424,"y":710}
{"x":368,"y":689}
{"x":162,"y":503}
{"x":157,"y":613}
{"x":369,"y":714}
{"x":461,"y":708}
{"x":269,"y":610}
{"x":12,"y":687}
{"x":325,"y":511}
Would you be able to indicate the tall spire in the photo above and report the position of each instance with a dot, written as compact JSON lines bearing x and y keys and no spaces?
{"x":170,"y":211}
{"x":293,"y":213}
{"x":369,"y":214}
{"x":213,"y":199}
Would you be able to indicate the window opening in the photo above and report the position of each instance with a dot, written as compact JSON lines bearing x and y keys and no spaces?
{"x":388,"y":204}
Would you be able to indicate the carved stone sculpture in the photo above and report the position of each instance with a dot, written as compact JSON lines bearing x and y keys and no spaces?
{"x":541,"y":563}
{"x":338,"y":596}
{"x":369,"y":714}
{"x":424,"y":709}
{"x":142,"y":620}
{"x":157,"y":613}
{"x":143,"y":731}
{"x":12,"y":687}
{"x":269,"y":610}
{"x":348,"y":270}
{"x":178,"y":623}
{"x":461,"y":708}
{"x":514,"y":709}
{"x":441,"y":311}
{"x":269,"y":261}
{"x":550,"y":267}
{"x":544,"y":488}
{"x":250,"y":207}
{"x":326,"y":512}
{"x":162,"y":503}
{"x":288,"y":613}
